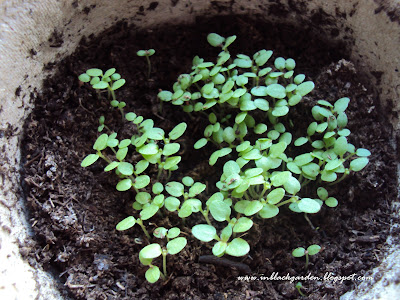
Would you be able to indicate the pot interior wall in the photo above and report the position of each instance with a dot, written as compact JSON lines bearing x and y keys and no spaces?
{"x":369,"y":30}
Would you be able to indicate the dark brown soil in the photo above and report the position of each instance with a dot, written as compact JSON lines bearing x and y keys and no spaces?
{"x":74,"y":210}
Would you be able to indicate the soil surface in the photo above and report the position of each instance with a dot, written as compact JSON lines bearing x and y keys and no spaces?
{"x":74,"y":210}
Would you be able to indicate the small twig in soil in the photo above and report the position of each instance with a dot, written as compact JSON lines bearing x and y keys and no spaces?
{"x":365,"y":239}
{"x":211,"y":259}
{"x":32,"y":160}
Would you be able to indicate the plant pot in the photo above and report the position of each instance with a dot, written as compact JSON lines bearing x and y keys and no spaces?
{"x":34,"y":34}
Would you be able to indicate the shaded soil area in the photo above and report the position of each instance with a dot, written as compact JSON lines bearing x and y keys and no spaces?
{"x":74,"y":210}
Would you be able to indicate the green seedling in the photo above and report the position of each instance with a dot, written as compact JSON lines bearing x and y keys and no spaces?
{"x":109,"y":80}
{"x":147,"y":54}
{"x":311,"y":250}
{"x":264,"y":163}
{"x":129,"y":222}
{"x":236,"y":247}
{"x":299,"y":286}
{"x":150,"y":252}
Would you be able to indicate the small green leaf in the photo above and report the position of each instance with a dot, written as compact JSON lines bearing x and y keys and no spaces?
{"x":303,"y":159}
{"x":358,"y":164}
{"x":215,"y":40}
{"x":155,"y":134}
{"x":262,"y":56}
{"x":109,"y":72}
{"x":160,"y":232}
{"x":153,"y":274}
{"x":340,"y":146}
{"x":219,"y":248}
{"x":89,"y":160}
{"x":111,"y":166}
{"x":328,"y":176}
{"x":188,"y":181}
{"x":165,"y":95}
{"x":172,"y":203}
{"x":117,"y":84}
{"x":280,"y":178}
{"x":100,"y":85}
{"x":141,"y":181}
{"x":220,"y":210}
{"x":124,"y":185}
{"x":331,"y":202}
{"x":290,"y":64}
{"x":170,"y":149}
{"x":295,"y":99}
{"x":217,"y":154}
{"x":299,"y":252}
{"x":311,"y":170}
{"x":342,"y":120}
{"x":243,"y":62}
{"x":176,"y":245}
{"x":273,"y":134}
{"x":143,"y":197}
{"x":292,"y":186}
{"x":292,"y":167}
{"x":305,"y":88}
{"x":229,"y":135}
{"x":174,"y":188}
{"x":300,"y":141}
{"x":259,"y":91}
{"x":159,"y":200}
{"x":125,"y":168}
{"x":94,"y":80}
{"x":94,"y":72}
{"x":177,"y":131}
{"x":276,"y":91}
{"x":141,"y":166}
{"x":268,"y":211}
{"x":253,"y":207}
{"x":341,"y":105}
{"x":204,"y":232}
{"x":253,"y":154}
{"x":115,"y":76}
{"x":277,"y":149}
{"x":185,"y":210}
{"x":280,"y":111}
{"x":171,"y":162}
{"x":124,"y":143}
{"x":242,"y":225}
{"x":84,"y":77}
{"x":126,"y":223}
{"x":148,"y":211}
{"x":229,"y":40}
{"x":279,"y":63}
{"x":238,"y":247}
{"x":196,"y":189}
{"x":363,"y":152}
{"x":322,"y":193}
{"x":151,"y":251}
{"x":200,"y":143}
{"x":261,"y":104}
{"x":275,"y":196}
{"x":333,"y":164}
{"x":173,"y":232}
{"x":157,"y":188}
{"x":101,"y":142}
{"x":309,"y":205}
{"x":313,"y":249}
{"x":148,"y":149}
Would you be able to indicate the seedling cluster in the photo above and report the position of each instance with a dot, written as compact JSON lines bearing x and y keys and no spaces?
{"x":311,"y":250}
{"x":263,"y":163}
